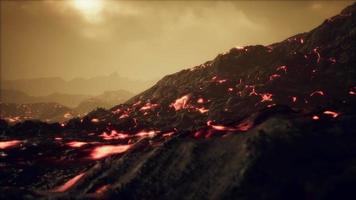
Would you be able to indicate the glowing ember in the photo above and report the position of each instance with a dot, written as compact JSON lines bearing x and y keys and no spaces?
{"x":148,"y":106}
{"x":274,"y":76}
{"x":319,"y":92}
{"x":253,"y":92}
{"x":95,"y":120}
{"x":301,"y":41}
{"x":67,"y":115}
{"x":332,"y":60}
{"x":244,"y":126}
{"x":203,"y":110}
{"x":331,"y":113}
{"x":200,"y":100}
{"x":230,"y":89}
{"x":76,"y":144}
{"x":219,"y":127}
{"x":318,"y":54}
{"x":114,"y":135}
{"x":136,"y":104}
{"x":266,"y":97}
{"x":181,"y":103}
{"x":222,"y":81}
{"x":294,"y":99}
{"x":145,"y":134}
{"x":69,"y":183}
{"x":102,"y":189}
{"x":352,"y":93}
{"x":123,"y":116}
{"x":315,"y":117}
{"x":108,"y":150}
{"x":169,"y":134}
{"x":9,"y":144}
{"x":283,"y":67}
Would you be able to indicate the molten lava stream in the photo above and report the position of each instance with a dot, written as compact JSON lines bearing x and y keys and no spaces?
{"x":69,"y":183}
{"x":9,"y":144}
{"x":107,"y":150}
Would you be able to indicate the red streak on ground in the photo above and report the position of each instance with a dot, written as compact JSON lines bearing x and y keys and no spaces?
{"x":108,"y":150}
{"x":76,"y":144}
{"x":169,"y":134}
{"x":317,"y":92}
{"x":283,"y":67}
{"x":145,"y":134}
{"x":69,"y":183}
{"x":123,"y":116}
{"x":137,"y":103}
{"x":148,"y":106}
{"x":266,"y":97}
{"x":245,"y":126}
{"x":274,"y":76}
{"x":331,"y":113}
{"x":317,"y":53}
{"x":95,"y":120}
{"x":315,"y":117}
{"x":203,"y":110}
{"x":253,"y":92}
{"x":102,"y":189}
{"x":181,"y":102}
{"x":9,"y":144}
{"x":114,"y":135}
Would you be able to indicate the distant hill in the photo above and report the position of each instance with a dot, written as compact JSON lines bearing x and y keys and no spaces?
{"x":106,"y":100}
{"x":88,"y":86}
{"x":19,"y":97}
{"x":49,"y":112}
{"x":18,"y":106}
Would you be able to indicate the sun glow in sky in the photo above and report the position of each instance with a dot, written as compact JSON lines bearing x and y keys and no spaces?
{"x":90,"y":9}
{"x":141,"y":40}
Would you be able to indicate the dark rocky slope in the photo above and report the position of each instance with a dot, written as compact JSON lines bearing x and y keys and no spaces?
{"x":257,"y":122}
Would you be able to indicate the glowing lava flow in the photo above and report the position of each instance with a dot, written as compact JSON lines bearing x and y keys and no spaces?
{"x":219,"y":127}
{"x":317,"y":53}
{"x":148,"y":106}
{"x":266,"y":97}
{"x":9,"y":144}
{"x":317,"y":92}
{"x":114,"y":135}
{"x":283,"y":67}
{"x":69,"y":183}
{"x":181,"y":103}
{"x":107,"y":150}
{"x":145,"y":134}
{"x":76,"y":144}
{"x":331,"y":113}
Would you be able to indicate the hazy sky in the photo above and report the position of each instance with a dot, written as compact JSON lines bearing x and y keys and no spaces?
{"x":141,"y":39}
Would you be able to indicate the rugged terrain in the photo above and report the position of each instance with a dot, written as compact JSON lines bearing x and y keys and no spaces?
{"x":256,"y":122}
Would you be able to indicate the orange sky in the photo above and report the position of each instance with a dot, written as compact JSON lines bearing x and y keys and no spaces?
{"x":141,"y":40}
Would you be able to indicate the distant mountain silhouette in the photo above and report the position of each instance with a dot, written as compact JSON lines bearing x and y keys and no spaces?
{"x":18,"y":106}
{"x":19,"y":97}
{"x":86,"y":86}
